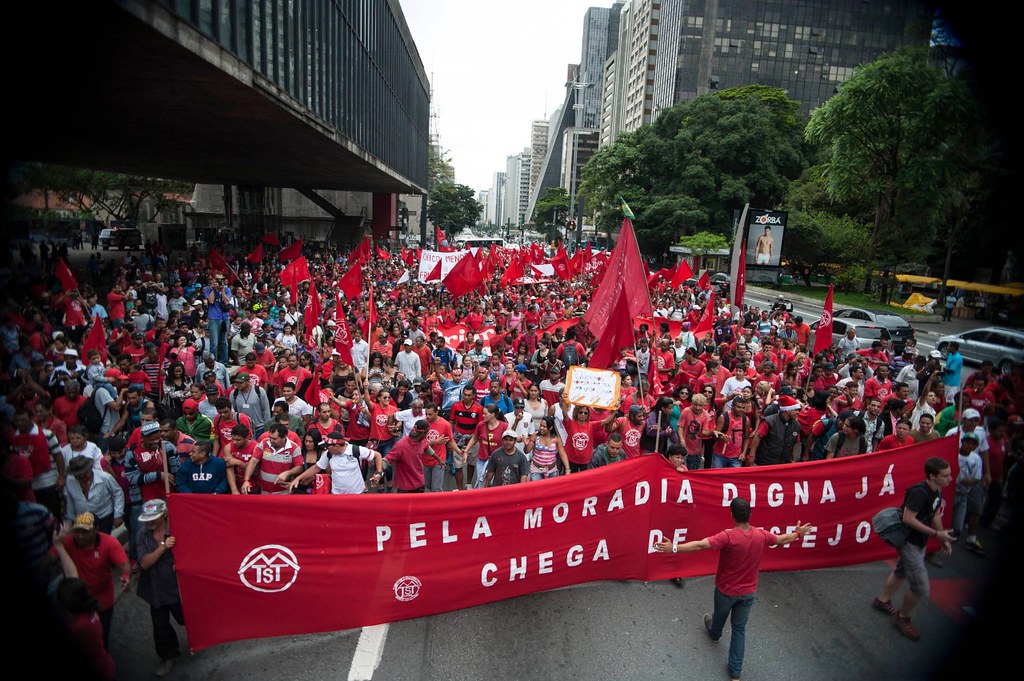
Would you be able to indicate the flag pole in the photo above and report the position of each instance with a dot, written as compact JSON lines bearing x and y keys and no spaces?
{"x":639,"y":374}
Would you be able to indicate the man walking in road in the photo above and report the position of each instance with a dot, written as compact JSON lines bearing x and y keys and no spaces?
{"x":920,"y":513}
{"x":739,"y":564}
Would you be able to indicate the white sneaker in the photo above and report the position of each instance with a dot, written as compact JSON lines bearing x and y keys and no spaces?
{"x":164,"y":667}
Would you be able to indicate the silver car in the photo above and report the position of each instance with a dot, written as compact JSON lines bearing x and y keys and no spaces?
{"x":899,"y":328}
{"x":997,"y":344}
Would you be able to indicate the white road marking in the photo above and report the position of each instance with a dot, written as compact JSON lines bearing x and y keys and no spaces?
{"x":369,"y":650}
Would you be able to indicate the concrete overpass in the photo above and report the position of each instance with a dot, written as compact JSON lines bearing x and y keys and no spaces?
{"x":312,"y":93}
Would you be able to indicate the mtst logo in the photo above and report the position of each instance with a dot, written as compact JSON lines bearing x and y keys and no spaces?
{"x":269,"y":569}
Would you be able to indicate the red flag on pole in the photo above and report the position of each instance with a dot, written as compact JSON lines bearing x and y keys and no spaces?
{"x":561,"y":264}
{"x":707,"y":320}
{"x":705,"y":281}
{"x":311,"y":317}
{"x":404,"y":255}
{"x":514,"y":272}
{"x":439,"y":235}
{"x":342,"y":337}
{"x":361,"y":253}
{"x":823,"y":334}
{"x":219,"y":264}
{"x":383,"y":254}
{"x":256,"y":256}
{"x":464,"y":278}
{"x":618,"y":334}
{"x":296,"y":271}
{"x":351,"y":284}
{"x":741,"y":280}
{"x":96,"y":340}
{"x":625,"y":277}
{"x":65,"y":276}
{"x":682,"y":273}
{"x":435,"y":273}
{"x":271,"y":240}
{"x":291,"y":252}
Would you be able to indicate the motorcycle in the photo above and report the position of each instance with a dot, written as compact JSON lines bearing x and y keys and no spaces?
{"x":784,"y":304}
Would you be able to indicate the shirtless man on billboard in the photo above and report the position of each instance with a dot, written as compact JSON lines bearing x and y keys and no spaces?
{"x":765,"y":243}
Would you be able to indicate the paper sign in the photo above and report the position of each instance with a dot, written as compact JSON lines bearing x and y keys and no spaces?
{"x":598,"y":388}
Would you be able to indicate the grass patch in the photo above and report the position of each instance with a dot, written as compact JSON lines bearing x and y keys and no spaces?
{"x":841,"y":299}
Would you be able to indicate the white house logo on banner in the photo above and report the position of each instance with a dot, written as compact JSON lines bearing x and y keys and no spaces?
{"x":407,"y":588}
{"x":269,"y":569}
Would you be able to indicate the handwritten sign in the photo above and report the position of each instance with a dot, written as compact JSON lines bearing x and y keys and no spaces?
{"x":596,"y":388}
{"x":428,"y":259}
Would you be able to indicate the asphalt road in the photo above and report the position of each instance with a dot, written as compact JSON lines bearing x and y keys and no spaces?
{"x":805,"y":625}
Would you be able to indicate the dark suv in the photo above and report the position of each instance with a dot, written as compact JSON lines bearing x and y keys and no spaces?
{"x":899,"y":328}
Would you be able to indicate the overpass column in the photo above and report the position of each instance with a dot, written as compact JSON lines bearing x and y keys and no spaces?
{"x":385,"y":215}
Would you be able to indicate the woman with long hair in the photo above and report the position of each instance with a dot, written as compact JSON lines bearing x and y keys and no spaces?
{"x":547,"y":451}
{"x":536,"y":407}
{"x":177,"y":388}
{"x":82,"y":619}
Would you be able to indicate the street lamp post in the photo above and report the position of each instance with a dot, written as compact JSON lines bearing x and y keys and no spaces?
{"x":577,"y":86}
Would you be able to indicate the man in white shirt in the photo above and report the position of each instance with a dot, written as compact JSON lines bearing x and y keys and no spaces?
{"x":407,"y":362}
{"x":519,"y":422}
{"x":360,"y":350}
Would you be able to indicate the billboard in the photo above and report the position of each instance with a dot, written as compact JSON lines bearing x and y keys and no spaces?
{"x":765,"y":232}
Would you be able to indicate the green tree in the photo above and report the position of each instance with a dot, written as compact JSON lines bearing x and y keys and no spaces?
{"x":118,"y":195}
{"x":883,"y":134}
{"x":550,"y":209}
{"x":439,"y":168}
{"x":700,"y":162}
{"x":703,"y":243}
{"x":453,"y":207}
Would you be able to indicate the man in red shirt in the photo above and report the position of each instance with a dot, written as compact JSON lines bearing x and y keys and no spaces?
{"x":631,"y":428}
{"x":879,"y":385}
{"x":900,"y":438}
{"x":66,"y":406}
{"x":487,"y":439}
{"x":742,"y":549}
{"x":407,"y":457}
{"x":465,"y":416}
{"x":224,"y":423}
{"x":97,"y":555}
{"x":279,"y":460}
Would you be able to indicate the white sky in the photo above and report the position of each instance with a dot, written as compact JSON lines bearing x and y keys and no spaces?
{"x":493,"y":64}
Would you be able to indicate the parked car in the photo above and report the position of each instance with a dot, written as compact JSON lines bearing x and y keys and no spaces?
{"x":866,"y":333}
{"x":998,"y":344}
{"x":128,"y":239}
{"x":899,"y":328}
{"x":722,"y":283}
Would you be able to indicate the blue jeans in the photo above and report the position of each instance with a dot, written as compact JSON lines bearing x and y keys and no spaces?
{"x":737,"y":610}
{"x":219,"y":340}
{"x":719,"y":461}
{"x":694,"y":462}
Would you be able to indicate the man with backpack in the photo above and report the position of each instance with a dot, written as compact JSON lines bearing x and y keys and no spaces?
{"x":250,"y":400}
{"x":343,"y":460}
{"x":571,"y":352}
{"x":873,"y":421}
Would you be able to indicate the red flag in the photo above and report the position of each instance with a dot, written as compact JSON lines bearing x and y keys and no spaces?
{"x":296,"y":271}
{"x":291,"y":252}
{"x":588,"y":255}
{"x":405,"y":255}
{"x":439,"y":235}
{"x":617,"y":334}
{"x":65,"y":276}
{"x":219,"y":264}
{"x":653,"y":382}
{"x":256,"y":257}
{"x":514,"y":272}
{"x":741,"y":280}
{"x":342,"y":337}
{"x":311,"y":317}
{"x":576,"y":263}
{"x":96,"y":340}
{"x":361,"y":253}
{"x":312,"y":394}
{"x":707,"y":320}
{"x":464,"y":278}
{"x":561,"y":264}
{"x":435,"y":273}
{"x":823,"y":334}
{"x":704,"y":282}
{"x":682,"y":273}
{"x":271,"y":240}
{"x":383,"y":254}
{"x":625,"y":278}
{"x":352,"y":283}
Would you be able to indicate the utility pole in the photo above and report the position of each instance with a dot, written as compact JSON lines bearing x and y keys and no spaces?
{"x":577,"y":86}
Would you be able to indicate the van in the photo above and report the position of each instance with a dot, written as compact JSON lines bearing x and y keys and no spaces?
{"x":127,"y":239}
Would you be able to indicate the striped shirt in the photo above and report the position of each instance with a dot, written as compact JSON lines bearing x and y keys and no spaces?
{"x":273,"y":462}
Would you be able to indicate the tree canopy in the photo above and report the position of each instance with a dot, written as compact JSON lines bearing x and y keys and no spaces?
{"x":453,"y":207}
{"x":699,"y":162}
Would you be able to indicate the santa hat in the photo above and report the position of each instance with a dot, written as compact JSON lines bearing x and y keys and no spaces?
{"x":787,"y":403}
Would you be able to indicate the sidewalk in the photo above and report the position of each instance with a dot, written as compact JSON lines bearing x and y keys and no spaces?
{"x":930,"y":325}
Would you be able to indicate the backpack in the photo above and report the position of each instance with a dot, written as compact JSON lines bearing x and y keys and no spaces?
{"x":818,"y":450}
{"x":89,"y":415}
{"x":570,"y":355}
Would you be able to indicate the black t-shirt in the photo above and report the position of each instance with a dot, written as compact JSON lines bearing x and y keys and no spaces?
{"x":508,"y":469}
{"x":924,"y":502}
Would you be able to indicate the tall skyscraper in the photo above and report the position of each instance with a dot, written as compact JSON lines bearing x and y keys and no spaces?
{"x":641,"y":54}
{"x":496,"y":200}
{"x":806,"y":47}
{"x":538,"y":150}
{"x":517,"y":188}
{"x":600,"y":37}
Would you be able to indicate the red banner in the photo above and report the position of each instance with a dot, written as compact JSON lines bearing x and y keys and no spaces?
{"x":369,"y":559}
{"x":456,"y":333}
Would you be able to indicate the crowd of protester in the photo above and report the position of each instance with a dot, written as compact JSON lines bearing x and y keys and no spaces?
{"x":161,"y":374}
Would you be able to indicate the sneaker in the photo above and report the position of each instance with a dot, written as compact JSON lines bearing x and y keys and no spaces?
{"x":882,"y":606}
{"x":732,"y":677}
{"x":976,"y":547}
{"x":677,"y":581}
{"x":707,"y":628}
{"x":164,"y":667}
{"x":936,"y":560}
{"x":905,"y":627}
